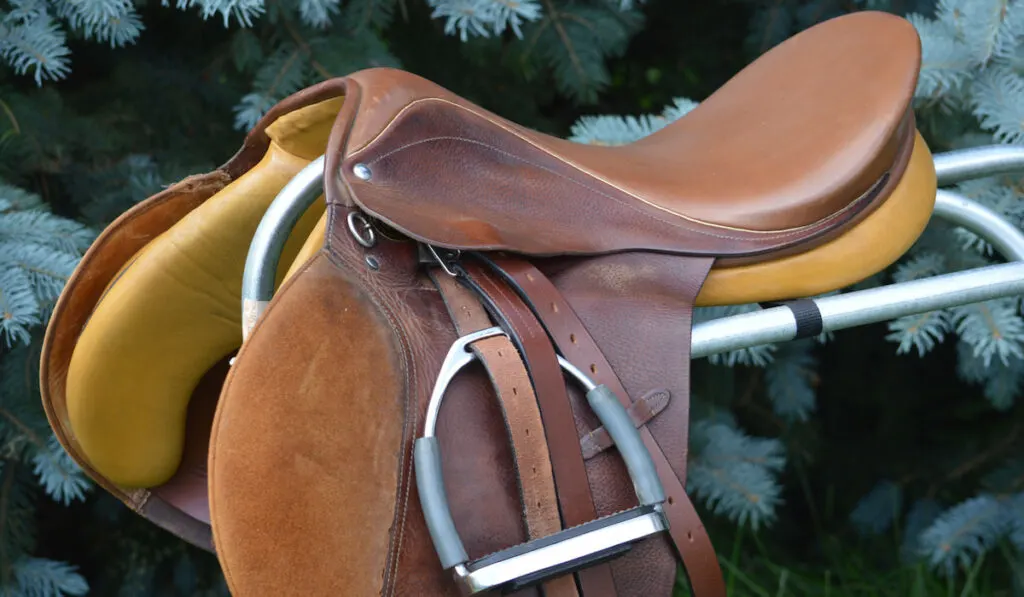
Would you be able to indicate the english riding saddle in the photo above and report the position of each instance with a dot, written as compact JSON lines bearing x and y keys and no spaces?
{"x":473,"y":373}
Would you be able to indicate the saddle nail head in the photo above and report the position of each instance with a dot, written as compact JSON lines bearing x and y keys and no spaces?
{"x":362,"y":171}
{"x":372,"y":263}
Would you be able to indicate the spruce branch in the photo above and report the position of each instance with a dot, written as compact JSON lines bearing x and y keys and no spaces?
{"x":483,"y":17}
{"x":1011,"y":32}
{"x":980,"y":24}
{"x":999,"y":103}
{"x":32,"y":40}
{"x":46,"y":230}
{"x":993,"y":328}
{"x":60,"y":476}
{"x":612,"y":130}
{"x":243,"y":11}
{"x":876,"y":512}
{"x":19,"y":307}
{"x":575,"y":39}
{"x":734,"y":474}
{"x":921,"y":331}
{"x":41,"y":577}
{"x":963,"y":533}
{"x":790,"y":380}
{"x":282,"y":73}
{"x":318,"y":13}
{"x":945,"y":59}
{"x":1003,"y":383}
{"x":922,"y":515}
{"x":113,"y":21}
{"x":1015,"y":512}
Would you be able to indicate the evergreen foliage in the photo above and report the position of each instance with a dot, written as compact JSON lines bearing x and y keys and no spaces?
{"x":81,"y":143}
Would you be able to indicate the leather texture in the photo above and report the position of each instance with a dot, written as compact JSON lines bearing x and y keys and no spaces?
{"x":297,"y":472}
{"x":309,"y":474}
{"x":179,"y":505}
{"x":643,"y":324}
{"x":574,"y":490}
{"x":640,"y":412}
{"x":525,"y":427}
{"x":848,"y":256}
{"x":720,"y":181}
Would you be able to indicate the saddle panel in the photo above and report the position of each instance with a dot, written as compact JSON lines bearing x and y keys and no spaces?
{"x":169,"y":490}
{"x":797,"y":144}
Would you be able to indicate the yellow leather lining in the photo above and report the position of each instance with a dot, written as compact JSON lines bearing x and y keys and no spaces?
{"x":869,"y":247}
{"x":173,"y":311}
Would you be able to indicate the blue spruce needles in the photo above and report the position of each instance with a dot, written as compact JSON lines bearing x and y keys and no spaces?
{"x":38,"y":251}
{"x":735,"y":475}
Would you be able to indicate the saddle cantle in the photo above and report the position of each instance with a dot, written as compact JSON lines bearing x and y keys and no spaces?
{"x":285,"y":436}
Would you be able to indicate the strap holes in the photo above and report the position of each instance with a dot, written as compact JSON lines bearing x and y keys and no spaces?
{"x":535,"y":470}
{"x":515,"y":391}
{"x":572,"y":338}
{"x":529,"y":277}
{"x":554,"y":307}
{"x":671,"y":500}
{"x":689,"y":536}
{"x":500,"y":354}
{"x":593,"y":368}
{"x":527,"y":431}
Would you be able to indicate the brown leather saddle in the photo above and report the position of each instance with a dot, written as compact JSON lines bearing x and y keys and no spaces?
{"x":473,"y":371}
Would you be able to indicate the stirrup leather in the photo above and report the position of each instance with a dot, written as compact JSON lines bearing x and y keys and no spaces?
{"x":564,"y":552}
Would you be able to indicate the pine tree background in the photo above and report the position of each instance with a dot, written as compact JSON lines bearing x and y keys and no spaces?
{"x":882,"y":460}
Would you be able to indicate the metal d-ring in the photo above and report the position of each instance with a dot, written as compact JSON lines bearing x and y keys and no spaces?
{"x":544,"y":557}
{"x":361,"y":229}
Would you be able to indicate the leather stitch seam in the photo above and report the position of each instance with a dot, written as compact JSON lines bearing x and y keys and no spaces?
{"x":578,"y":168}
{"x":760,"y":236}
{"x":394,"y":555}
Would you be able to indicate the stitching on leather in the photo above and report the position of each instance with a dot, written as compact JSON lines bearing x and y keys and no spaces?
{"x":394,"y":556}
{"x":759,"y":235}
{"x":408,"y":107}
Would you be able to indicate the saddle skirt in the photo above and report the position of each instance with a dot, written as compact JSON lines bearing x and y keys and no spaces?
{"x":283,"y":433}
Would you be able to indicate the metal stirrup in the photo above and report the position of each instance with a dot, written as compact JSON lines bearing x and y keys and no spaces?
{"x":568,"y":550}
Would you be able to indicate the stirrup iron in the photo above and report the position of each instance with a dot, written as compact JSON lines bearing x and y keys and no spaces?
{"x":560,"y":553}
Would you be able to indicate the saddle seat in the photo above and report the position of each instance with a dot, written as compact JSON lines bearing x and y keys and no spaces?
{"x":800,"y":141}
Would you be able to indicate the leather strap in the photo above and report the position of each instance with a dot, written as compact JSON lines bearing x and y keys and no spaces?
{"x":640,"y":412}
{"x":571,"y":481}
{"x":522,"y":419}
{"x":578,"y":347}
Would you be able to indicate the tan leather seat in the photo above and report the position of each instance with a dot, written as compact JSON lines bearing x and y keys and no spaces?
{"x":805,"y":141}
{"x":793,"y":138}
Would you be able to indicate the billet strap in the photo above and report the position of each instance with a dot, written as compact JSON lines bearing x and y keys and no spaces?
{"x":571,"y":481}
{"x":522,"y":419}
{"x":578,"y":347}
